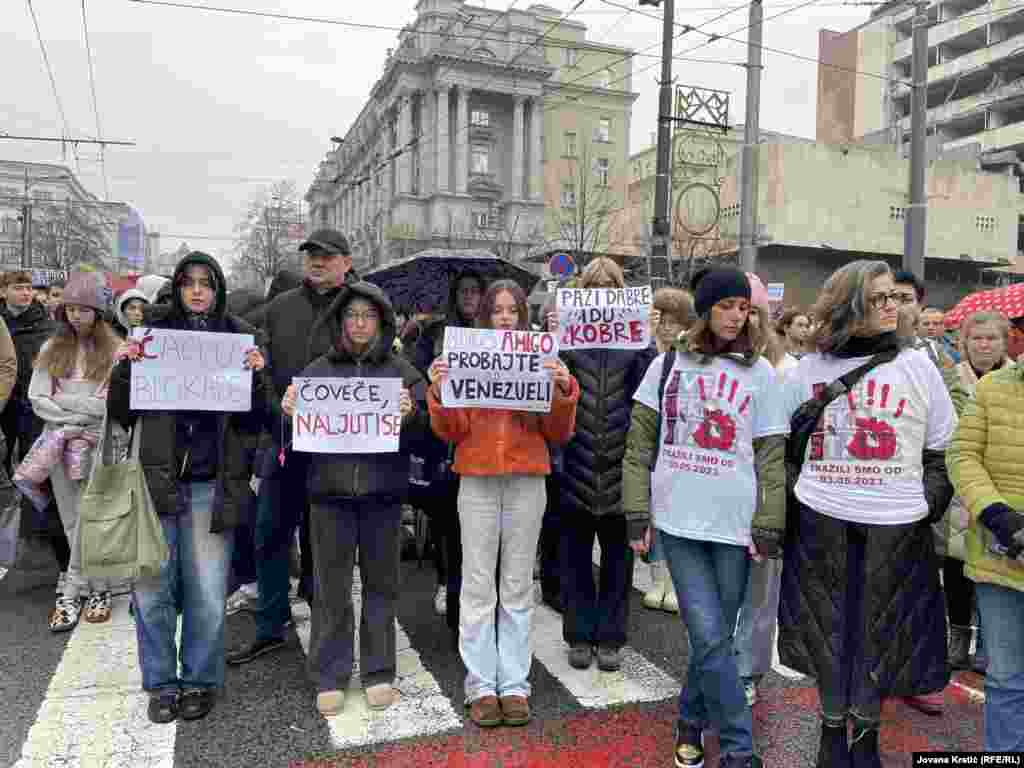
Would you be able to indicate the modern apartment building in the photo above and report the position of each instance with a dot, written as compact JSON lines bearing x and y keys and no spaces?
{"x":975,"y":78}
{"x":481,"y":132}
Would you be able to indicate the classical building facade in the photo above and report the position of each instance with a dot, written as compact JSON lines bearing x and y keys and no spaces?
{"x":67,"y":224}
{"x":475,"y":109}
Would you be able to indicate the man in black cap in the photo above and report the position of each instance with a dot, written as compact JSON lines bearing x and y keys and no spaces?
{"x":295,"y":337}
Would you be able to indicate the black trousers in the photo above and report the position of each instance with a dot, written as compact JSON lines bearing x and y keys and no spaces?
{"x":338,"y":531}
{"x":959,"y":592}
{"x":596,"y":614}
{"x":552,"y":558}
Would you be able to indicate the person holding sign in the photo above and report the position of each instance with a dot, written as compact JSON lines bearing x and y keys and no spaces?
{"x":704,"y":465}
{"x":196,"y":466}
{"x":590,"y":488}
{"x":502,"y":458}
{"x":355,"y":495}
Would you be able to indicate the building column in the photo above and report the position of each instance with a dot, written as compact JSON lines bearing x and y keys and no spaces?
{"x":518,"y":105}
{"x":404,"y":137}
{"x":390,"y":171}
{"x":443,"y":139}
{"x":536,"y":176}
{"x":462,"y":141}
{"x":425,"y":145}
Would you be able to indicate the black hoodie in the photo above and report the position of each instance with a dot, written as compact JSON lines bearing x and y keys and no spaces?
{"x":381,"y":476}
{"x":187,"y":446}
{"x":428,"y":346}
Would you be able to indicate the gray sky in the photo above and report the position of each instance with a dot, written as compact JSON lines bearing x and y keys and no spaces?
{"x":222,"y":105}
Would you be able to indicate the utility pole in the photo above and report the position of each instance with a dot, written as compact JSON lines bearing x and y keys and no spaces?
{"x":662,"y":229}
{"x":751,"y":138}
{"x":914,"y":228}
{"x":26,"y":228}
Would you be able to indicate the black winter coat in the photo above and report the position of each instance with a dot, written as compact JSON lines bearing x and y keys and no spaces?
{"x":237,"y":433}
{"x":383,"y":477}
{"x":591,"y":477}
{"x":295,"y":337}
{"x":903,"y":622}
{"x":29,"y":331}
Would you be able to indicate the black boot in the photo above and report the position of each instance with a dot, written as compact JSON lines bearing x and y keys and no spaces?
{"x":959,"y":647}
{"x":864,"y":745}
{"x":832,"y":750}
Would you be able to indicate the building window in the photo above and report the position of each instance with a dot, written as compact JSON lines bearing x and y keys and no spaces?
{"x":42,"y":194}
{"x":601,"y":169}
{"x":606,"y":78}
{"x":570,"y":144}
{"x":604,"y":130}
{"x":10,"y":225}
{"x":568,"y":196}
{"x":486,"y":219}
{"x":479,"y":158}
{"x":570,"y":57}
{"x":896,"y":212}
{"x":985,"y":223}
{"x":480,"y":118}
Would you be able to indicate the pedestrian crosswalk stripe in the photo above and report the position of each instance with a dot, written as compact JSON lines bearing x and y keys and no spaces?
{"x":422,"y":709}
{"x":638,"y":679}
{"x":94,"y":712}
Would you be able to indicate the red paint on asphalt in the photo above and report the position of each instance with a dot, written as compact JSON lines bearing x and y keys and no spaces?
{"x":641,"y":736}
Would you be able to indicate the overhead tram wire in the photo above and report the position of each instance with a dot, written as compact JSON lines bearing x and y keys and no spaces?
{"x":712,"y":38}
{"x":95,"y":102}
{"x":49,"y":69}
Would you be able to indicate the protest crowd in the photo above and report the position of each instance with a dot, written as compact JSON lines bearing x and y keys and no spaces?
{"x":844,"y":482}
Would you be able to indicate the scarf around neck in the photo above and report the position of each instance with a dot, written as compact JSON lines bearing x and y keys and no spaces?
{"x":867,"y":346}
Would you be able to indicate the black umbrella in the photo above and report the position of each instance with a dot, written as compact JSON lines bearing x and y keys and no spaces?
{"x":422,"y":283}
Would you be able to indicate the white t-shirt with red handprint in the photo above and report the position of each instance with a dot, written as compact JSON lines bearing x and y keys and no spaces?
{"x":864,"y":462}
{"x":704,"y":485}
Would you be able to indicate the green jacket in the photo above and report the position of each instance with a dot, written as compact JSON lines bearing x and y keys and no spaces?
{"x":984,"y":461}
{"x":642,"y":449}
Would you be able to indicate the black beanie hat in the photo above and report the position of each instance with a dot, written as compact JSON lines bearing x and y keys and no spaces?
{"x":713,"y":284}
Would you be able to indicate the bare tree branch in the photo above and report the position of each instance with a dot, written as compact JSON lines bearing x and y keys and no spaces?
{"x":268,"y":235}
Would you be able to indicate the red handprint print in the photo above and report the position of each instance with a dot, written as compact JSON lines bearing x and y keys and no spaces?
{"x":875,"y":438}
{"x":717,"y":430}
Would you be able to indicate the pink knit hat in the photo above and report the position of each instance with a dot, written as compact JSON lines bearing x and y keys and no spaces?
{"x":87,"y":289}
{"x":758,"y":294}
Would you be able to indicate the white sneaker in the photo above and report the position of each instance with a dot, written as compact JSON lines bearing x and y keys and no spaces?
{"x":237,"y":601}
{"x":441,"y":600}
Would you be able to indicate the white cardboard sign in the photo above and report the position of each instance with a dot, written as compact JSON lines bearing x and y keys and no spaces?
{"x":191,"y":371}
{"x":604,"y":318}
{"x":498,"y":369}
{"x":346,"y":415}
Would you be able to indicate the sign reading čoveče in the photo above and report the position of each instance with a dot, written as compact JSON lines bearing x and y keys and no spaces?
{"x":191,"y":371}
{"x":498,"y":369}
{"x":604,"y":318}
{"x":346,"y":415}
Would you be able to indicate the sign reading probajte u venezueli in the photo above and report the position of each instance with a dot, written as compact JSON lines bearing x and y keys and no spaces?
{"x":191,"y":371}
{"x":348,"y":415}
{"x":604,"y":318}
{"x":498,"y":369}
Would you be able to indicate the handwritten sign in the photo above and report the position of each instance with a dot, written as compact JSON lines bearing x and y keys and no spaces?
{"x":191,"y":371}
{"x":346,"y":415}
{"x":498,"y":369}
{"x":604,"y":318}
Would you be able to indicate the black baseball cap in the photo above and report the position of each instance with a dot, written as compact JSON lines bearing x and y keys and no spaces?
{"x":330,"y":241}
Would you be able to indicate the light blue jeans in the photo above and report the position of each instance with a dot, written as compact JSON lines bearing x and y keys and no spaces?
{"x":1002,"y":616}
{"x":500,"y":514}
{"x":197,"y":573}
{"x":710,"y":580}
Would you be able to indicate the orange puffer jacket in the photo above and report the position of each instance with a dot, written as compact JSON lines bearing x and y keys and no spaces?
{"x":491,"y":441}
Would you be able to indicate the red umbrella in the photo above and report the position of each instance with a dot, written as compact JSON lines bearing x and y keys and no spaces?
{"x":1008,"y":301}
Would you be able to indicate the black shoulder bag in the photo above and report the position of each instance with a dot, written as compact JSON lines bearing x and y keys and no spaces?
{"x":805,"y":419}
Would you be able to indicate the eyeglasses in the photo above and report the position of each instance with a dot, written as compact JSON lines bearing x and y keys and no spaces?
{"x":362,"y":317}
{"x":879,"y":300}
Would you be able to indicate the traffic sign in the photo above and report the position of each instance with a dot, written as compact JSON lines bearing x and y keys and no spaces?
{"x":561,"y":264}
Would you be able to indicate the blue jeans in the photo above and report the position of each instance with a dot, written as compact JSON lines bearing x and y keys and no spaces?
{"x":1002,"y":615}
{"x":280,"y":508}
{"x":196,"y":574}
{"x":710,"y":580}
